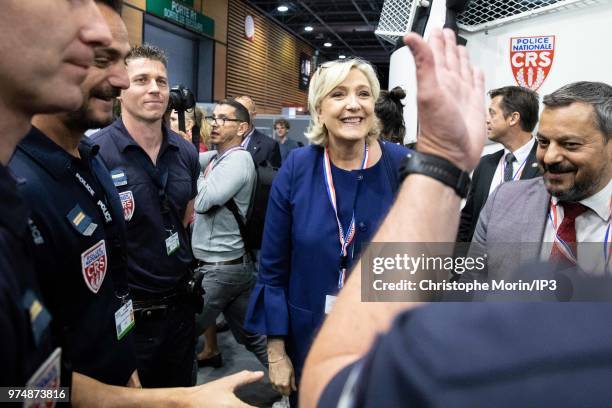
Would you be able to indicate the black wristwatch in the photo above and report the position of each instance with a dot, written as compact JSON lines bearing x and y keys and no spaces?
{"x":438,"y":168}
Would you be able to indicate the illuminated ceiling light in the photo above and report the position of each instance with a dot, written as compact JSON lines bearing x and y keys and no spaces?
{"x":282,"y":8}
{"x":308,"y":28}
{"x":341,"y":56}
{"x":327,"y":44}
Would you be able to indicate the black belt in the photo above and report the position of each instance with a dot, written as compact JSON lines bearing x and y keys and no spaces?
{"x":151,"y":310}
{"x":155,"y":301}
{"x":236,"y":261}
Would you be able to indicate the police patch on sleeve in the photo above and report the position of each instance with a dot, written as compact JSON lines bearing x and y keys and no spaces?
{"x":119,"y":177}
{"x":93,"y":266}
{"x":127,"y":201}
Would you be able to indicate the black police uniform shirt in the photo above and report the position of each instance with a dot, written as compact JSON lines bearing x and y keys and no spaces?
{"x":80,"y":269}
{"x":150,"y":228}
{"x":484,"y":355}
{"x":25,"y":334}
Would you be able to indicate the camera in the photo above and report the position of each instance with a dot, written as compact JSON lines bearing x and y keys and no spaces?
{"x":181,"y":99}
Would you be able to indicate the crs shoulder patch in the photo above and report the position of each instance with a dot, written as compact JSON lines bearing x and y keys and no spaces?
{"x":94,"y":262}
{"x":46,"y":377}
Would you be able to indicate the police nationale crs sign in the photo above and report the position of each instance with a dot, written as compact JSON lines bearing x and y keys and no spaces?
{"x":531,"y":59}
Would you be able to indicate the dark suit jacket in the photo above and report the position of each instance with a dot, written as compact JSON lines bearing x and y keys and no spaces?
{"x":263,"y":148}
{"x":479,"y":190}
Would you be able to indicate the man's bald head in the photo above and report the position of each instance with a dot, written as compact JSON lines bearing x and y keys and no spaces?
{"x":248,"y":103}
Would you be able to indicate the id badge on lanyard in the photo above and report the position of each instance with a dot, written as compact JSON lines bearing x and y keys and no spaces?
{"x":124,"y":319}
{"x":172,"y":242}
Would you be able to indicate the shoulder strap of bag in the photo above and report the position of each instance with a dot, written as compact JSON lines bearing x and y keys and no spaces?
{"x":233,"y":207}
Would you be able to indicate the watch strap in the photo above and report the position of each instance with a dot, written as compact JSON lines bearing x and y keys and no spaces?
{"x":438,"y":168}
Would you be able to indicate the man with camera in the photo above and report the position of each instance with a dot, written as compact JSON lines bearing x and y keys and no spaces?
{"x":155,"y":172}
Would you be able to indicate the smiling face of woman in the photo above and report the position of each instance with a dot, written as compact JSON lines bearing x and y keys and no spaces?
{"x":348,"y":110}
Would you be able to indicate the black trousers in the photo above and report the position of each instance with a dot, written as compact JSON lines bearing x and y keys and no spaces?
{"x":165,"y":346}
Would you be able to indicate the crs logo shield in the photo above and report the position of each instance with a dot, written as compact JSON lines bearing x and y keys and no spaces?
{"x":93,"y":265}
{"x":127,"y":201}
{"x":531,"y":59}
{"x":46,"y":378}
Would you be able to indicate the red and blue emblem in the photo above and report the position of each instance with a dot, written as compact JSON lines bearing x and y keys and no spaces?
{"x":94,"y":262}
{"x":128,"y":204}
{"x":531,"y":59}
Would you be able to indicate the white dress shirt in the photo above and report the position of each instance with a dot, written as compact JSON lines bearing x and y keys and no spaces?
{"x":518,"y":166}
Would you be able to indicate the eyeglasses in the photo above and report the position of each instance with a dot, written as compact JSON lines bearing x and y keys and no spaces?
{"x":211,"y":120}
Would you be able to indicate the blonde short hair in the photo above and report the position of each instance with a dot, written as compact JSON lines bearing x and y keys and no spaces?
{"x":328,"y":76}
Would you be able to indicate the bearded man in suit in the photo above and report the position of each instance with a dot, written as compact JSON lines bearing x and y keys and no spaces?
{"x":557,"y":217}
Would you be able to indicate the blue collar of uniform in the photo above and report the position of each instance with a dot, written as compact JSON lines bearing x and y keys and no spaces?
{"x":87,"y":148}
{"x":52,"y":157}
{"x":124,"y":140}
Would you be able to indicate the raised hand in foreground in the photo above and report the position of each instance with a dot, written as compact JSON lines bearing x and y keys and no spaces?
{"x":450,"y":99}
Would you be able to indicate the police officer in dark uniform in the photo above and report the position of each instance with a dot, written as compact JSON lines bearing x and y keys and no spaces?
{"x":155,"y":171}
{"x":24,"y":320}
{"x":79,"y":254}
{"x":27,"y":353}
{"x":33,"y":80}
{"x":79,"y":249}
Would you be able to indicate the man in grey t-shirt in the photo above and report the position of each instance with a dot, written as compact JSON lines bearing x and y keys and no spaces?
{"x":228,"y":174}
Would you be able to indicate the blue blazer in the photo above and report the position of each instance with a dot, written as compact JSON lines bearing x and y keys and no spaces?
{"x":300,"y":255}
